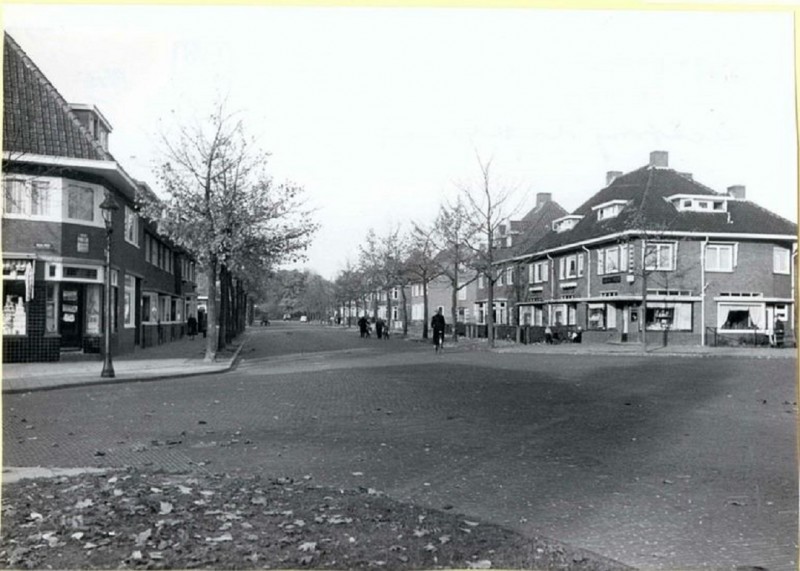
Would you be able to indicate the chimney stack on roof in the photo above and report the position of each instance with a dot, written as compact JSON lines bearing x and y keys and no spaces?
{"x":659,"y":159}
{"x":611,"y":176}
{"x":543,"y":198}
{"x":737,"y":191}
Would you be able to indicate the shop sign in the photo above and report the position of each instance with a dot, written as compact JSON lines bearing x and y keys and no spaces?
{"x":70,"y":308}
{"x":43,"y":246}
{"x":83,"y":243}
{"x":612,"y":280}
{"x":68,"y":318}
{"x":70,"y":295}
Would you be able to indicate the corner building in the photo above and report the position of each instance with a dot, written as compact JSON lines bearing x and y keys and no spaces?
{"x":713,"y":268}
{"x":57,"y":170}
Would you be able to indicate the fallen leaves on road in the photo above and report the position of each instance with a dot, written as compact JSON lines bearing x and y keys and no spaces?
{"x":129,"y":519}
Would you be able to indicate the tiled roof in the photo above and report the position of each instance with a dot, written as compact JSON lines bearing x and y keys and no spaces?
{"x":645,"y":190}
{"x":36,"y":118}
{"x":532,"y":227}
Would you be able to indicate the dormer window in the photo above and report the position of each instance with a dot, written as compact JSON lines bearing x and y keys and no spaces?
{"x":610,"y":209}
{"x":698,"y":203}
{"x":566,"y":222}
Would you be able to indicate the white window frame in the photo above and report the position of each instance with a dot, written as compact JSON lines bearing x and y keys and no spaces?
{"x":719,"y":248}
{"x":481,"y":281}
{"x":131,"y":226}
{"x":539,"y":272}
{"x":568,"y":267}
{"x":658,"y":247}
{"x":781,"y":260}
{"x":510,"y":275}
{"x":30,"y":190}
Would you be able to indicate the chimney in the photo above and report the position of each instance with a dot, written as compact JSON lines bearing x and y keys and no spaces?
{"x":611,"y":176}
{"x":543,"y":198}
{"x":737,"y":191}
{"x":686,"y":175}
{"x":659,"y":159}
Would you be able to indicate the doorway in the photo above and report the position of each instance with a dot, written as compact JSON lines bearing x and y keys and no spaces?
{"x":71,"y":317}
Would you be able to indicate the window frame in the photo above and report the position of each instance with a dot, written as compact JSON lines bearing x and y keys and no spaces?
{"x":131,"y":226}
{"x":659,"y":245}
{"x":776,"y":250}
{"x":73,"y":186}
{"x":718,"y":247}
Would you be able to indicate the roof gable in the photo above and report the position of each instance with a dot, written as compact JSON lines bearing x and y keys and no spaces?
{"x":36,"y":118}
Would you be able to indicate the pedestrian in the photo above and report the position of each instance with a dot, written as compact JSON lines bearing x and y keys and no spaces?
{"x":548,"y":335}
{"x":202,"y":322}
{"x":379,"y":323}
{"x":362,"y":326}
{"x":438,"y":325}
{"x":191,"y":323}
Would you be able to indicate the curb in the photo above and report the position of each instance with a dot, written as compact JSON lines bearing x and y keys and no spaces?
{"x":655,"y":353}
{"x":233,"y":362}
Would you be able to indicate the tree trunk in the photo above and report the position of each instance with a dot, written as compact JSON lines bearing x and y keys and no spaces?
{"x":389,"y":308}
{"x":405,"y":311}
{"x":490,"y":311}
{"x":211,"y":310}
{"x":223,"y":309}
{"x":425,"y":313}
{"x":454,"y":309}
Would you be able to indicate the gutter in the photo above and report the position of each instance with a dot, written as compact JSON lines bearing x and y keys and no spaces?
{"x":588,"y":271}
{"x":638,"y":233}
{"x":703,"y":292}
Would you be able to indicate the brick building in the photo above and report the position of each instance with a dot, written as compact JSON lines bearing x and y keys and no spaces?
{"x":57,"y":170}
{"x":711,"y":267}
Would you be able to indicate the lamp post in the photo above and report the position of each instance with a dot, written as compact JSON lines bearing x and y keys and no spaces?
{"x":108,"y":207}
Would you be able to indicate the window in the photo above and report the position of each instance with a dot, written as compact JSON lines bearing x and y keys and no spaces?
{"x":28,"y":198}
{"x":394,"y":293}
{"x":601,"y":316}
{"x":51,"y":309}
{"x":500,"y":275}
{"x":612,"y":260}
{"x":539,"y":272}
{"x":609,"y":209}
{"x":659,"y":256}
{"x":80,"y":203}
{"x":15,"y":316}
{"x":740,"y":316}
{"x":509,"y":275}
{"x":131,"y":226}
{"x":462,"y":293}
{"x":720,"y":257}
{"x":481,"y":282}
{"x":672,"y":316}
{"x":569,"y":266}
{"x":780,"y":260}
{"x":129,"y":317}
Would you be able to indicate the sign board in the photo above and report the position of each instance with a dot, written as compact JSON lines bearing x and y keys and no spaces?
{"x":83,"y":243}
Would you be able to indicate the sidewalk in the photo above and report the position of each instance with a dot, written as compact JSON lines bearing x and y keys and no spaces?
{"x":182,"y":358}
{"x":654,"y":350}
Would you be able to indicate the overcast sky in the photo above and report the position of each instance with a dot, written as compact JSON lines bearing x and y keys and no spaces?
{"x":379,"y":113}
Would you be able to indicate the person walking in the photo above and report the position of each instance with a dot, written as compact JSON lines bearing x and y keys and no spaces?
{"x":438,"y":325}
{"x":379,"y":324}
{"x":362,"y":326}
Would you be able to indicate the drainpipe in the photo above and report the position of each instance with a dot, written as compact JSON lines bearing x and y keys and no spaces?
{"x":703,"y":292}
{"x":552,"y":287}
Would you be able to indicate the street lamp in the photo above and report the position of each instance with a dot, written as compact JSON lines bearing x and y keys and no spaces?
{"x":108,"y":207}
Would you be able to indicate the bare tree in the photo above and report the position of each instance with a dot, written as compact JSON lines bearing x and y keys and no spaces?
{"x":454,"y":230}
{"x":487,"y":206}
{"x":223,"y":206}
{"x":383,"y":259}
{"x":422,"y":266}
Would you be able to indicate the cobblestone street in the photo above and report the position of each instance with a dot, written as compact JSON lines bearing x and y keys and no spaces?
{"x":656,"y":462}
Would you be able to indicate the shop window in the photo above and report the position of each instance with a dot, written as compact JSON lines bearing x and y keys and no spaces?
{"x":51,"y":308}
{"x":129,"y":317}
{"x":93,"y":309}
{"x":15,"y":317}
{"x":740,"y":316}
{"x":672,"y":316}
{"x":80,"y":203}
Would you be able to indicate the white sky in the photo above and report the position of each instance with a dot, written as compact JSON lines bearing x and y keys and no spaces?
{"x":378,"y":113}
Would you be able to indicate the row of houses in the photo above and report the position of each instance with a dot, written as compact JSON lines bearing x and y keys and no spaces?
{"x":652,"y":250}
{"x":57,"y":173}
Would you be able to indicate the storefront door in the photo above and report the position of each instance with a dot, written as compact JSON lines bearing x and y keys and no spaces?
{"x":71,"y":316}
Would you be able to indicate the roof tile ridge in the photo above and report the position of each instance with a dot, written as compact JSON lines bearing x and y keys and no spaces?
{"x":60,"y":99}
{"x":770,"y":212}
{"x":698,"y":183}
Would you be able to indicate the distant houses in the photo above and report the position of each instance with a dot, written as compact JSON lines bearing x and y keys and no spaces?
{"x":652,"y":253}
{"x":57,"y":171}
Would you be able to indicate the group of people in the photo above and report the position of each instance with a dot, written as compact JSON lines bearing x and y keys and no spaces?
{"x":365,"y":328}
